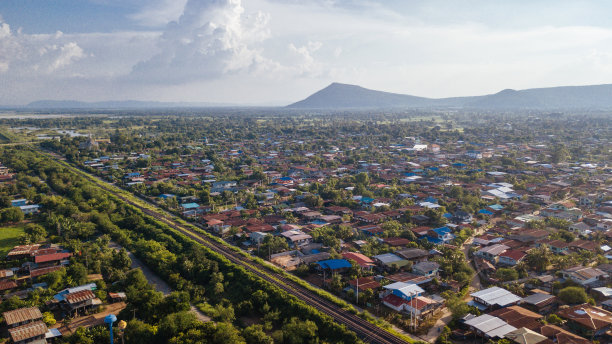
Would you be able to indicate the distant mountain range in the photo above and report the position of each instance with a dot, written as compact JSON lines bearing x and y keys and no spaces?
{"x":344,"y":96}
{"x":114,"y":104}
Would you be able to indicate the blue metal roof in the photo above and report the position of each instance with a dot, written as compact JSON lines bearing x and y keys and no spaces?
{"x":433,"y":240}
{"x":190,"y":205}
{"x":485,"y":212}
{"x":334,"y":264}
{"x":442,"y":230}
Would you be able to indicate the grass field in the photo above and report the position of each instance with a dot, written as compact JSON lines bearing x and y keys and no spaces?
{"x":9,"y":237}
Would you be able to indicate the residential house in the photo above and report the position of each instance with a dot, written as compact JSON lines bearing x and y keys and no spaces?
{"x":403,"y":290}
{"x":334,"y":265}
{"x":541,"y":303}
{"x":362,"y":260}
{"x":511,"y":257}
{"x":495,"y":297}
{"x":442,"y":235}
{"x":586,"y":320}
{"x":426,"y":268}
{"x":586,"y":276}
{"x":81,"y":301}
{"x":492,"y":252}
{"x":25,"y":325}
{"x":296,"y":238}
{"x":489,"y":326}
{"x":413,"y":254}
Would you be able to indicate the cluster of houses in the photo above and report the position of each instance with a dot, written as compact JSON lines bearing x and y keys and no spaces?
{"x":429,"y":170}
{"x":30,"y":262}
{"x":505,"y":315}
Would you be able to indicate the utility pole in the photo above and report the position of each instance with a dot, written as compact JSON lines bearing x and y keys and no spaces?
{"x":357,"y":291}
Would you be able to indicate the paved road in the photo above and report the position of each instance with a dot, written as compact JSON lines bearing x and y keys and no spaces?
{"x":160,"y":284}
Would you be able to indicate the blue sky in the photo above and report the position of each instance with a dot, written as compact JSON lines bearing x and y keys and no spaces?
{"x":279,"y":51}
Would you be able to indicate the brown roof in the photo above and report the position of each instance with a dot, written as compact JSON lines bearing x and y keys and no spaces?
{"x":43,"y":271}
{"x":80,"y":296}
{"x":31,"y":330}
{"x":588,"y":316}
{"x":518,"y":317}
{"x":23,"y":250}
{"x":562,"y":336}
{"x":21,"y":315}
{"x":51,"y":257}
{"x":6,"y":285}
{"x":365,"y":283}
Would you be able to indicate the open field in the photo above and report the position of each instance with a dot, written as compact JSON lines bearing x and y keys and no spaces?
{"x":9,"y":237}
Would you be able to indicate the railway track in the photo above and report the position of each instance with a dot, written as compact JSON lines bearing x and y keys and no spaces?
{"x":365,"y":330}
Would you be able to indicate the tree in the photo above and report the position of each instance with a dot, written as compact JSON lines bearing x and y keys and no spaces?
{"x":313,"y":201}
{"x":506,"y":274}
{"x":298,"y":332}
{"x":272,"y":244}
{"x":554,"y":319}
{"x":255,"y":334}
{"x":560,"y":154}
{"x":362,"y":178}
{"x":175,"y":323}
{"x":227,"y":334}
{"x":139,"y":332}
{"x":121,"y":260}
{"x":49,"y":319}
{"x":573,"y":295}
{"x":35,"y":232}
{"x":78,"y":273}
{"x":12,"y":215}
{"x":538,"y":258}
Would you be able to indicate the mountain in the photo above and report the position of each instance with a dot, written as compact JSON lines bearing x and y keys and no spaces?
{"x":339,"y":95}
{"x":344,"y":96}
{"x":113,"y":104}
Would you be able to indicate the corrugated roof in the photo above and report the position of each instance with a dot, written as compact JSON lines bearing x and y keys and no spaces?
{"x":31,"y":330}
{"x":22,"y":314}
{"x":80,"y":296}
{"x":334,"y":264}
{"x":23,"y":249}
{"x":6,"y":285}
{"x":43,"y":271}
{"x":491,"y":326}
{"x":496,"y":296}
{"x":51,"y":257}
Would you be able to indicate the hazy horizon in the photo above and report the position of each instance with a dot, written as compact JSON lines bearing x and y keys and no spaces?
{"x":275,"y":52}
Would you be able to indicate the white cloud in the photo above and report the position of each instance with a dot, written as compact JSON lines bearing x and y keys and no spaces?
{"x":211,"y":38}
{"x":159,"y":13}
{"x":28,"y":55}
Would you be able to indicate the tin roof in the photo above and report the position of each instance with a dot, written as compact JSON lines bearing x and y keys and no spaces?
{"x":31,"y":330}
{"x":21,"y":315}
{"x":51,"y":257}
{"x":80,"y":296}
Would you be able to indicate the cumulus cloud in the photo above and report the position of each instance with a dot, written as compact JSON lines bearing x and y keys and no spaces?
{"x":211,"y":38}
{"x":305,"y":63}
{"x":24,"y":55}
